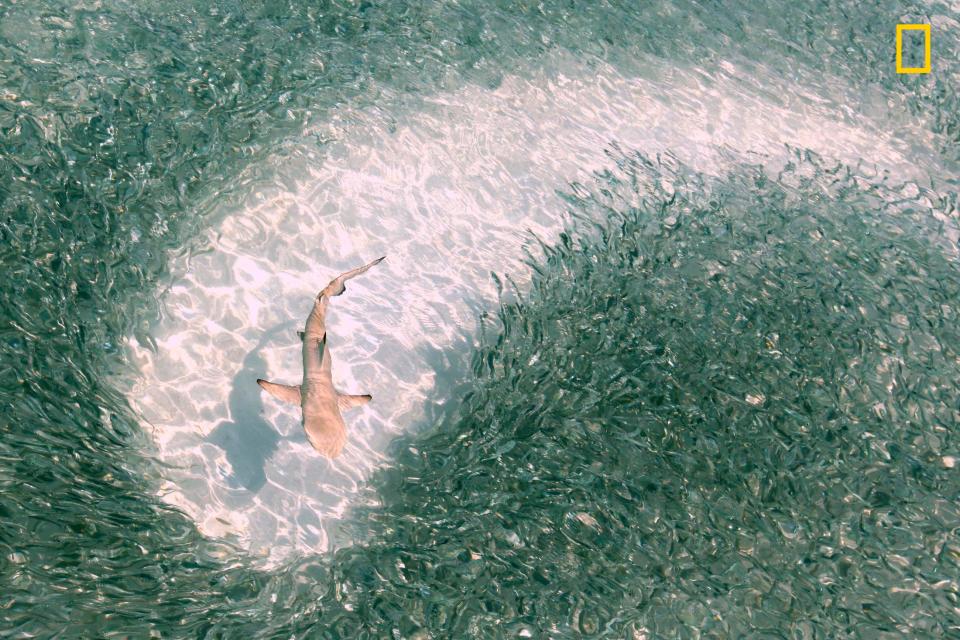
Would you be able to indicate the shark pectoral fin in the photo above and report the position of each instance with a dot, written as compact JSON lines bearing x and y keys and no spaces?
{"x":284,"y":392}
{"x":345,"y":401}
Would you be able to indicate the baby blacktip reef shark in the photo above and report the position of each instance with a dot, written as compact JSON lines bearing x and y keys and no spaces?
{"x":320,"y":403}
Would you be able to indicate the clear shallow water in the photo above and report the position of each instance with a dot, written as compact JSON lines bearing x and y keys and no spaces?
{"x":730,"y":414}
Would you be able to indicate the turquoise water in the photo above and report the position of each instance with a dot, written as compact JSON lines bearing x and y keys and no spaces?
{"x":711,"y":389}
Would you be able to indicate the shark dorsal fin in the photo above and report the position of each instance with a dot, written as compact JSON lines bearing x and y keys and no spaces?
{"x":345,"y":401}
{"x":284,"y":392}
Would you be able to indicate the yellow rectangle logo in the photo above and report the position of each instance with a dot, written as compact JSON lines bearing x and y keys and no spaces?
{"x":925,"y":28}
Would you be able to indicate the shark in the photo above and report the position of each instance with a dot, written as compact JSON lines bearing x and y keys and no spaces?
{"x":320,"y":403}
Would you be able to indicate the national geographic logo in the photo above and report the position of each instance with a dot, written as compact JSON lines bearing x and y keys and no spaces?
{"x":913,"y":31}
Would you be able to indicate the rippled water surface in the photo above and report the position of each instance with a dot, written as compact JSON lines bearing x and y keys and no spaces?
{"x":665,"y":344}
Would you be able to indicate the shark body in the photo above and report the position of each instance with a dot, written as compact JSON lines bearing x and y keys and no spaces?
{"x":319,"y":402}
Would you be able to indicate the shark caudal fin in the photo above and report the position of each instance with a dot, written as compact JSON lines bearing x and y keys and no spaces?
{"x":338,"y":284}
{"x":284,"y":392}
{"x":345,"y":401}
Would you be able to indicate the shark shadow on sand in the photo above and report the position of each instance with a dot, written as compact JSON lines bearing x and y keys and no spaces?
{"x":247,"y":439}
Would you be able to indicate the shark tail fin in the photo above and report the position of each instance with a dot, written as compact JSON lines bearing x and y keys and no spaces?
{"x":284,"y":392}
{"x":346,"y":401}
{"x":338,"y":284}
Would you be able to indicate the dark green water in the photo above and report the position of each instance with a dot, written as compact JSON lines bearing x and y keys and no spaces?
{"x":724,"y":411}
